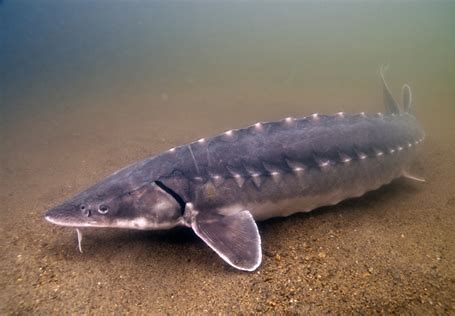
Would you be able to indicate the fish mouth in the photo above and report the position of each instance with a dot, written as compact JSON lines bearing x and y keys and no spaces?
{"x":64,"y":221}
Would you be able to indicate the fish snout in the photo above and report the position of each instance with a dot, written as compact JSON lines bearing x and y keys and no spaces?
{"x":52,"y":215}
{"x":63,"y":215}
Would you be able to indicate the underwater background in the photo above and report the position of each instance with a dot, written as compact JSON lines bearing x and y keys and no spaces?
{"x":87,"y":87}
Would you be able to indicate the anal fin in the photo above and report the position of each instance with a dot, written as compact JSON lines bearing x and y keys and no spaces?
{"x":234,"y":237}
{"x":407,"y":175}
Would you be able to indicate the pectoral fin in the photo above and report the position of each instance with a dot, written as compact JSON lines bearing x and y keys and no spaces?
{"x":234,"y":237}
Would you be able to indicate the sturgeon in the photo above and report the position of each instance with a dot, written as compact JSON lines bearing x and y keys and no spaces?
{"x":221,"y":186}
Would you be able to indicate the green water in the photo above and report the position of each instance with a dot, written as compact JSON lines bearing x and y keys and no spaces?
{"x":54,"y":53}
{"x":161,"y":73}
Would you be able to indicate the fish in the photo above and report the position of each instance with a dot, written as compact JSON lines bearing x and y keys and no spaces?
{"x":221,"y":186}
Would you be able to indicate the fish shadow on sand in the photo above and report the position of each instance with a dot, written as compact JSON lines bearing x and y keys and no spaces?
{"x":144,"y":248}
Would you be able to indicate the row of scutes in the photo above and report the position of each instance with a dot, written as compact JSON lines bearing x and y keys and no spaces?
{"x":296,"y":167}
{"x":259,"y":126}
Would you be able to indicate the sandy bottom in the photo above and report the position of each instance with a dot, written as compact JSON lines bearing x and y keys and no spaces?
{"x":390,"y":251}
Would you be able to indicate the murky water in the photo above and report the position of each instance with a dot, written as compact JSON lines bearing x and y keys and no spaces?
{"x":89,"y":86}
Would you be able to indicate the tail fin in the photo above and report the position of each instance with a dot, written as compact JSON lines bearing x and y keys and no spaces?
{"x":390,"y":104}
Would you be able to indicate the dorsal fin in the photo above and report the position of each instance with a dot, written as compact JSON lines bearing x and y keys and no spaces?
{"x":407,"y":98}
{"x":390,"y":104}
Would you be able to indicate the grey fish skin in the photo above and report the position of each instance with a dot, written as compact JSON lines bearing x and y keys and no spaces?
{"x":221,"y":185}
{"x":296,"y":157}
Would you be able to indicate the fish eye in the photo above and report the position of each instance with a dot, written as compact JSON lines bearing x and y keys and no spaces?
{"x":103,"y":209}
{"x":82,"y":207}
